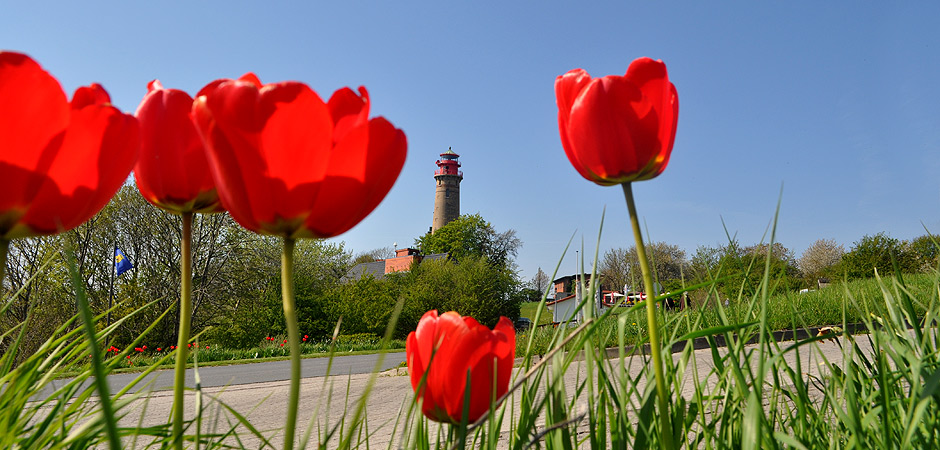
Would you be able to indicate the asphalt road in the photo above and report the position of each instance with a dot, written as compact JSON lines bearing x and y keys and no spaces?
{"x":238,"y":374}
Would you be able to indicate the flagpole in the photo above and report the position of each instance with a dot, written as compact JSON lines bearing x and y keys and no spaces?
{"x":111,"y":291}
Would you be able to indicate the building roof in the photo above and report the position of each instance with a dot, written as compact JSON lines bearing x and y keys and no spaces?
{"x":586,"y":276}
{"x":549,"y":303}
{"x":435,"y":256}
{"x":376,"y":269}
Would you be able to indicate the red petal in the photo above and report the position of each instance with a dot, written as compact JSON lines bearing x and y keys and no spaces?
{"x":362,"y":170}
{"x":652,"y":78}
{"x":448,"y":376}
{"x":477,"y":355}
{"x":342,"y":193}
{"x":211,"y":87}
{"x":416,"y":365}
{"x":348,"y":110}
{"x":614,"y":130}
{"x":98,"y":151}
{"x":425,"y":332}
{"x":153,"y":85}
{"x":93,"y":94}
{"x":297,"y":133}
{"x":35,"y":111}
{"x":388,"y":148}
{"x":433,"y":342}
{"x":251,"y":78}
{"x":226,"y":166}
{"x":504,"y":347}
{"x":567,"y":89}
{"x":172,"y":171}
{"x":248,"y":78}
{"x":270,"y":146}
{"x":419,"y":352}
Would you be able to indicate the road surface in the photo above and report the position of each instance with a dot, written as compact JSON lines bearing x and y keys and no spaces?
{"x":239,"y":374}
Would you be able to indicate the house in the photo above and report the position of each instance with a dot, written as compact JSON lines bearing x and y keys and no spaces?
{"x":564,"y":304}
{"x":402,"y":261}
{"x":568,"y":283}
{"x":565,"y":309}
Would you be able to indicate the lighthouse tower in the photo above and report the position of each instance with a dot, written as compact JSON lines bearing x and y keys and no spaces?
{"x":447,"y":196}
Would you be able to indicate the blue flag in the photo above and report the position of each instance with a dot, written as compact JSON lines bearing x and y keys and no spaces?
{"x":121,"y":262}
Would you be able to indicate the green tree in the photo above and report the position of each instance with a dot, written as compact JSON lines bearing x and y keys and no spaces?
{"x":819,"y":258}
{"x":704,"y":262}
{"x":471,"y":235}
{"x":926,"y":251}
{"x":254,"y":308}
{"x":742,"y":269}
{"x":615,"y":269}
{"x":540,"y":282}
{"x":621,"y":266}
{"x":36,"y":282}
{"x":875,"y":252}
{"x":373,"y":255}
{"x":365,"y":305}
{"x":319,"y":265}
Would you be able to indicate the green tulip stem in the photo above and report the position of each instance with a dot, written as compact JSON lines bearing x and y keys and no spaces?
{"x":655,"y":347}
{"x":293,"y":336}
{"x":182,"y":343}
{"x":4,"y":248}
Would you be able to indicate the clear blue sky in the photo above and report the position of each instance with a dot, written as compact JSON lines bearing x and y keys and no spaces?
{"x":837,"y":102}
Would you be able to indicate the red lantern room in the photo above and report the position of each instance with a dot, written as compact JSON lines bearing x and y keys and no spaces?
{"x":447,"y":193}
{"x":448,"y":164}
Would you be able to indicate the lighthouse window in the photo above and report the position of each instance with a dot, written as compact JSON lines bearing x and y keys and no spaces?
{"x":447,"y":193}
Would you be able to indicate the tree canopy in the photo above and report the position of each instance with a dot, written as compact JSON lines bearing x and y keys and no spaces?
{"x":621,"y":267}
{"x":471,"y":235}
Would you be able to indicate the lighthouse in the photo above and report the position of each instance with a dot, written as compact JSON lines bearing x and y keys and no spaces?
{"x":447,"y":195}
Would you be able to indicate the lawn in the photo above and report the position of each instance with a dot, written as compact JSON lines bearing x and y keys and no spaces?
{"x":529,"y":309}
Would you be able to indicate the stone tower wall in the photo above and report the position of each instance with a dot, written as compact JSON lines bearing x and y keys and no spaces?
{"x":446,"y":200}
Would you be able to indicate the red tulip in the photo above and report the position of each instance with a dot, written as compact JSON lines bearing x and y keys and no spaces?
{"x":288,"y":164}
{"x":172,"y":171}
{"x":60,"y":162}
{"x":618,"y":129}
{"x":458,"y":345}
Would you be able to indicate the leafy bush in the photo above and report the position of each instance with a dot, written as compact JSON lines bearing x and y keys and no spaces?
{"x":365,"y":305}
{"x":742,"y":269}
{"x":248,"y":324}
{"x":472,"y":287}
